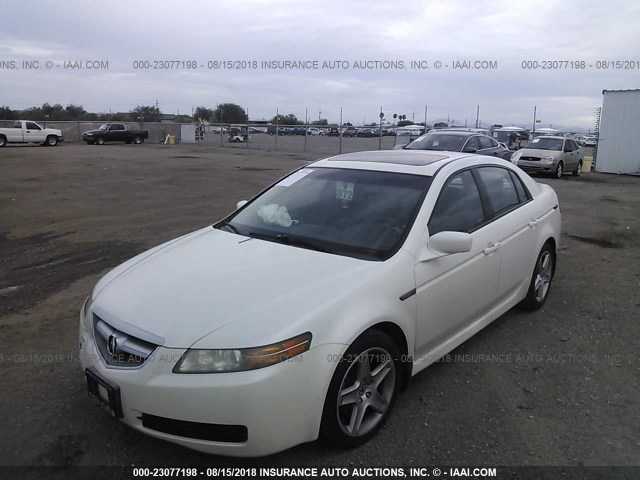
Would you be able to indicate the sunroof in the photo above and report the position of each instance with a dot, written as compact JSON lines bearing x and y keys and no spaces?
{"x":397,"y":157}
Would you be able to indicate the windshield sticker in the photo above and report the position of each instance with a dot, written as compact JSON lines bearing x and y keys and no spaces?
{"x":535,"y":140}
{"x":344,"y":191}
{"x":294,"y":177}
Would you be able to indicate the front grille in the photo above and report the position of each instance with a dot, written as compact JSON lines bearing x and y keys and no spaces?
{"x":202,"y":431}
{"x":119,"y":349}
{"x":530,"y":169}
{"x":530,"y":159}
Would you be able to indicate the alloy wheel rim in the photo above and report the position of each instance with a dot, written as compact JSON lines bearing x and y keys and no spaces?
{"x":366,"y":392}
{"x":544,"y":271}
{"x":559,"y":170}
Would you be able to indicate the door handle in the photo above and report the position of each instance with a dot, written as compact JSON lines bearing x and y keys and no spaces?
{"x":533,"y":223}
{"x":491,"y":249}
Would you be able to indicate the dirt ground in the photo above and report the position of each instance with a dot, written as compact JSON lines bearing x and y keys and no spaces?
{"x":555,"y":387}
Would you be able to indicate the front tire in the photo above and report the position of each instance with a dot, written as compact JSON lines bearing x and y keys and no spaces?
{"x":558,"y":172}
{"x":363,"y":390}
{"x":578,"y":171}
{"x":51,"y":141}
{"x":100,"y":141}
{"x":541,"y":279}
{"x":3,"y":141}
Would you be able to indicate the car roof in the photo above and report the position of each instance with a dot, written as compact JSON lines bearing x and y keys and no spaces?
{"x":458,"y":133}
{"x":557,"y":137}
{"x":420,"y":162}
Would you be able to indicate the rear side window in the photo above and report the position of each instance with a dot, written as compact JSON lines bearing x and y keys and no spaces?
{"x":500,"y":189}
{"x":523,"y":194}
{"x":459,"y":208}
{"x":117,"y":126}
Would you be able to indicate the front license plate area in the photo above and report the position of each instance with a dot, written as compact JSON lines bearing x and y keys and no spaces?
{"x":103,"y":393}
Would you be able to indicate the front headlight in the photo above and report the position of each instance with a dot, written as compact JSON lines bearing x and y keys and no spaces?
{"x":241,"y":359}
{"x":88,"y":134}
{"x":548,"y":159}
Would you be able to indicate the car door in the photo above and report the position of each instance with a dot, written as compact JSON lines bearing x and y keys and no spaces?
{"x":513,"y":221}
{"x":454,"y":290}
{"x":33,"y":133}
{"x":116,"y":132}
{"x":568,"y":155}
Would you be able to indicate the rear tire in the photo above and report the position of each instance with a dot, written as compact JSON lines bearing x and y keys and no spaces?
{"x":540,"y":284}
{"x":3,"y":141}
{"x":578,"y":171}
{"x":137,"y":139}
{"x":363,"y":390}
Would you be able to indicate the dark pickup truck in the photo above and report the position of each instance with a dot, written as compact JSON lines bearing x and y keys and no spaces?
{"x":114,"y":132}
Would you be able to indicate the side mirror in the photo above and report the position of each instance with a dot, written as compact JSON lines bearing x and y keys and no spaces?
{"x":470,"y":150}
{"x":241,"y":204}
{"x":446,"y":243}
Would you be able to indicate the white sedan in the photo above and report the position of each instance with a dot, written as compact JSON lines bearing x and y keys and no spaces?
{"x":303,"y":313}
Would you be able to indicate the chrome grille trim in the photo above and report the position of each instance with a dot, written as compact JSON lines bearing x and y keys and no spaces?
{"x":130,"y":352}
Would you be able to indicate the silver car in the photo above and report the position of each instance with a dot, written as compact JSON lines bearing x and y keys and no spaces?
{"x":551,"y":155}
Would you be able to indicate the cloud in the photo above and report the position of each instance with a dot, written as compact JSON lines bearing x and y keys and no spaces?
{"x":256,"y":30}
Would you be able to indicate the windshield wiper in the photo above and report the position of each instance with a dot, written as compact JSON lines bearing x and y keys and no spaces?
{"x":227,"y":226}
{"x":287,"y":240}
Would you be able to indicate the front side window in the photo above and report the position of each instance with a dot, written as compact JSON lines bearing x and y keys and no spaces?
{"x":500,"y":189}
{"x":458,"y":208}
{"x":359,"y":213}
{"x":472,"y":145}
{"x":32,"y":126}
{"x":485,"y":142}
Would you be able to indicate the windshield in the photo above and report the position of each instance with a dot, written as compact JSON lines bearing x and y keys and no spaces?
{"x":542,"y":143}
{"x":438,"y":141}
{"x":104,"y":126}
{"x":358,"y":213}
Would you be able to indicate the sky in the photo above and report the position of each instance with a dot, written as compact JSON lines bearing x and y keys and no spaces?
{"x":578,"y":40}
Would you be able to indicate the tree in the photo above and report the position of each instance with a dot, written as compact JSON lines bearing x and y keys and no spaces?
{"x":229,"y":113}
{"x":203,"y":113}
{"x":290,"y":119}
{"x":496,"y":125}
{"x":322,"y":121}
{"x":440,"y":125}
{"x":145,"y":113}
{"x":395,"y":116}
{"x":75,"y":112}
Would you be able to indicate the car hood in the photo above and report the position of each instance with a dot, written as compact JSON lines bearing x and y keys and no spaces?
{"x":536,"y":152}
{"x":213,"y":279}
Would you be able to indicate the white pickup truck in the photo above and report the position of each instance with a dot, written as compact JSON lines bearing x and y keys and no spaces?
{"x":25,"y":131}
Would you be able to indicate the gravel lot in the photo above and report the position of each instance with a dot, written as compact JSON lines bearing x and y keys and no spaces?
{"x":563,"y":390}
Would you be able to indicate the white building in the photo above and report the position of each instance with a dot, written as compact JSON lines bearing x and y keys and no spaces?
{"x":618,"y":150}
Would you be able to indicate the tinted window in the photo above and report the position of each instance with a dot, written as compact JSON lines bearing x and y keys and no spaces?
{"x":471,"y":145}
{"x":459,"y":208}
{"x":117,"y":126}
{"x":493,"y":142}
{"x":500,"y":189}
{"x":485,"y":142}
{"x":32,"y":126}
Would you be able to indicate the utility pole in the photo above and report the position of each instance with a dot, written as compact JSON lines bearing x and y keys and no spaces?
{"x":426,"y":107}
{"x":533,"y":132}
{"x":477,"y":115}
{"x":319,"y":114}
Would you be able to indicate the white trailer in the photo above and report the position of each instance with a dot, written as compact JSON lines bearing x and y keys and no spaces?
{"x":617,"y":147}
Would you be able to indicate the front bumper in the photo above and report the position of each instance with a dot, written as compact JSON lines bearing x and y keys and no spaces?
{"x":279,"y":406}
{"x":536,"y":166}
